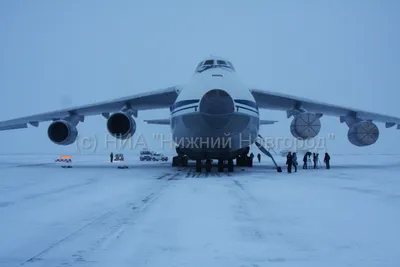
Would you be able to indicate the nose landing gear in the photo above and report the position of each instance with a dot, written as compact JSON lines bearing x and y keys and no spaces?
{"x":208,"y":165}
{"x":199,"y":165}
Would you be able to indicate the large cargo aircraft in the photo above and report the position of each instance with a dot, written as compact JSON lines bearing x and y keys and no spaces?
{"x":214,"y":116}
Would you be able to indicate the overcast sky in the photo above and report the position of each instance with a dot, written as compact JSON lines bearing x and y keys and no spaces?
{"x":56,"y":54}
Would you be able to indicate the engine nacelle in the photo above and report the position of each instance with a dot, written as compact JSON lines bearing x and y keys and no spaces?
{"x":62,"y":132}
{"x":305,"y":126}
{"x":121,"y":125}
{"x":363,"y":133}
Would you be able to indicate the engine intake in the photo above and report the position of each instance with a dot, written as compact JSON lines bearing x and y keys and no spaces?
{"x":121,"y":125}
{"x":363,"y":133}
{"x":305,"y":126}
{"x":62,"y":132}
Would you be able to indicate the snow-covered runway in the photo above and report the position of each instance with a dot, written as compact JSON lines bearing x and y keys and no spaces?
{"x":154,"y":215}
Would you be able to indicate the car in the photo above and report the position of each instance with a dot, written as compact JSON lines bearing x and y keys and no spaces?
{"x":163,"y":157}
{"x":159,"y":157}
{"x":145,"y":155}
{"x":119,"y":157}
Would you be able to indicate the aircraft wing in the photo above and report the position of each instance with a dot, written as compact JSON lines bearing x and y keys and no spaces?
{"x":167,"y":122}
{"x":157,"y":99}
{"x":278,"y":101}
{"x":159,"y":121}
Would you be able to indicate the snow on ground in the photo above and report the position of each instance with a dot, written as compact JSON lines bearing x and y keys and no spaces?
{"x":154,"y":215}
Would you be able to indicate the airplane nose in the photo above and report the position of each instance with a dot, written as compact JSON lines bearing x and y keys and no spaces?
{"x":216,"y":106}
{"x":217,"y":102}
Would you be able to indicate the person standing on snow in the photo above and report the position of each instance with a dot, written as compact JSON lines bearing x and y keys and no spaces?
{"x":326,"y":160}
{"x":289,"y":162}
{"x":305,"y":158}
{"x":294,"y":160}
{"x":315,"y":158}
{"x":111,"y":157}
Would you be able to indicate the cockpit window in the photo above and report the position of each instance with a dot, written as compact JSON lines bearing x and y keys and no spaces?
{"x":214,"y":63}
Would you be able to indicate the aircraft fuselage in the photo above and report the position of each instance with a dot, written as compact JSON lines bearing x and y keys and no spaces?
{"x":215,"y":116}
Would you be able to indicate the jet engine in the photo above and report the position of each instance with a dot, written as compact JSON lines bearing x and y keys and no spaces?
{"x":121,"y":125}
{"x":305,"y":126}
{"x":363,"y":133}
{"x":62,"y":132}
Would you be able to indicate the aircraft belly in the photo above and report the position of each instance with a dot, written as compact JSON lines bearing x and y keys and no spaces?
{"x":216,"y":135}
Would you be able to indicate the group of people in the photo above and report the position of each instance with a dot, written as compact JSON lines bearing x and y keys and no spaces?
{"x":291,"y":160}
{"x":258,"y":156}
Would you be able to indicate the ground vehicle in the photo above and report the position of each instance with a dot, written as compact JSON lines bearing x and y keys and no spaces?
{"x":66,"y":159}
{"x":145,"y":155}
{"x":119,"y":157}
{"x":158,"y":157}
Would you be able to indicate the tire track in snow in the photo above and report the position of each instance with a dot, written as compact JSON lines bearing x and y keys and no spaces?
{"x":248,"y":210}
{"x":5,"y":165}
{"x":191,"y":174}
{"x":254,"y":215}
{"x":163,"y":176}
{"x":112,"y":223}
{"x":47,"y":193}
{"x":174,"y":177}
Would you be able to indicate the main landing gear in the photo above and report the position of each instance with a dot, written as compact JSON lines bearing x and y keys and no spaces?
{"x":207,"y":164}
{"x":244,"y":161}
{"x":230,"y":165}
{"x":180,"y":161}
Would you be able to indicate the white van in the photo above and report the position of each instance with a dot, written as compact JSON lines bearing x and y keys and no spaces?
{"x":145,"y":155}
{"x":159,"y":157}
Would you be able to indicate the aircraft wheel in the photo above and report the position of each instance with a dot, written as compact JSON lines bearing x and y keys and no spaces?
{"x":176,"y":161}
{"x":230,"y":165}
{"x":185,"y":161}
{"x":198,"y":165}
{"x":220,"y":165}
{"x":279,"y":169}
{"x":208,"y":165}
{"x":250,"y":162}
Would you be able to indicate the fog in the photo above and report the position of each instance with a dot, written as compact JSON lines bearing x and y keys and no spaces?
{"x":56,"y":54}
